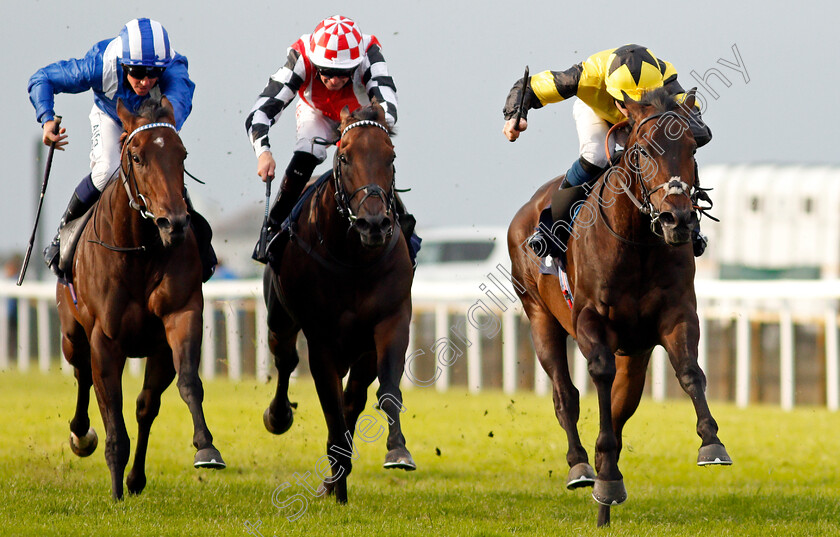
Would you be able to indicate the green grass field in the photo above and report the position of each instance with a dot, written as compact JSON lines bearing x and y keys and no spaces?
{"x":488,"y":464}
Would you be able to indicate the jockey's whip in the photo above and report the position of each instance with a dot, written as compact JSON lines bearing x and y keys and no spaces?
{"x":261,"y":246}
{"x":521,"y":98}
{"x":40,"y":204}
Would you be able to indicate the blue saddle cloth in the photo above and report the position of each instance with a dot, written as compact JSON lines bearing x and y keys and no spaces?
{"x":307,"y":193}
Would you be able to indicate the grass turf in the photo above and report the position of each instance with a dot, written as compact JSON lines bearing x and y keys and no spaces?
{"x":488,"y":464}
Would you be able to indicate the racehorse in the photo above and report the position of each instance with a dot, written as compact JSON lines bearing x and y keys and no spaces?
{"x":630,"y":270}
{"x":134,"y":290}
{"x":345,"y":281}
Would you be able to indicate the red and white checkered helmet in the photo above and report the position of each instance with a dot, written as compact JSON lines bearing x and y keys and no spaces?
{"x":336,"y":43}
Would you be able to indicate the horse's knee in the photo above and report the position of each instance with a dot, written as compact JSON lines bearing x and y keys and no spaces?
{"x":601,"y":366}
{"x":147,"y":409}
{"x":692,"y":378}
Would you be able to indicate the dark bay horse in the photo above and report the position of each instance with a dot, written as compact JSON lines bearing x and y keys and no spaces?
{"x":630,"y":268}
{"x":136,"y":291}
{"x":345,"y":281}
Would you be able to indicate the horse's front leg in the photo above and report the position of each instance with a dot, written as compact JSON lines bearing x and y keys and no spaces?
{"x":391,"y":337}
{"x":680,"y":336}
{"x":159,"y":375}
{"x":327,"y":373}
{"x":107,"y":365}
{"x":592,"y":339}
{"x":183,"y":333}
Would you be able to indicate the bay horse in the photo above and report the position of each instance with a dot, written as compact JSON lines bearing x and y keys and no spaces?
{"x":630,"y":270}
{"x":345,"y":281}
{"x":134,"y":290}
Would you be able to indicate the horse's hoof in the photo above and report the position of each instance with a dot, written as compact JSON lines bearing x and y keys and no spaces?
{"x":135,"y":483}
{"x":713,"y":454}
{"x":209,"y":458}
{"x":399,"y":458}
{"x":273,"y":426}
{"x":580,"y":475}
{"x":85,"y":445}
{"x":609,"y":492}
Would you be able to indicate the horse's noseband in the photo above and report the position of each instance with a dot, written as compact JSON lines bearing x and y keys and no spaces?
{"x":370,"y":190}
{"x":143,"y":206}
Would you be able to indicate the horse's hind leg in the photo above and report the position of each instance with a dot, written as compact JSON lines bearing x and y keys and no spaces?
{"x":159,"y":375}
{"x":391,"y":337}
{"x":550,"y":345}
{"x":680,"y":339}
{"x":282,"y":342}
{"x":278,"y":417}
{"x":74,"y":345}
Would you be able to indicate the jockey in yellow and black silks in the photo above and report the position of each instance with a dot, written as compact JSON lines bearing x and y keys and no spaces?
{"x":599,"y":83}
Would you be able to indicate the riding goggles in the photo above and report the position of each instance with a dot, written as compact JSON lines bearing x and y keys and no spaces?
{"x":141,"y":71}
{"x":335,"y":73}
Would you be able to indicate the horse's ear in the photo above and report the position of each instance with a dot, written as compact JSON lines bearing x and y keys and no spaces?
{"x":690,"y":99}
{"x":635,"y":108}
{"x":164,"y":102}
{"x":125,"y":116}
{"x":380,"y":112}
{"x":345,"y":113}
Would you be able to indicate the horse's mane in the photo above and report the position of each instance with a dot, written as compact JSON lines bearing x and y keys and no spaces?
{"x":368,"y":113}
{"x":153,"y":110}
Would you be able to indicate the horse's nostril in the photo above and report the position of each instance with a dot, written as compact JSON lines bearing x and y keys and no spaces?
{"x":163,"y":223}
{"x":667,"y":219}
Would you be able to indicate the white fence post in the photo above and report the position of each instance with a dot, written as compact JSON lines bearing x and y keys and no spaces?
{"x":510,"y":324}
{"x":262,"y":354}
{"x":208,"y":341}
{"x":659,"y":360}
{"x":23,"y":346}
{"x":581,"y":370}
{"x":234,"y":353}
{"x":542,"y":382}
{"x":441,"y":331}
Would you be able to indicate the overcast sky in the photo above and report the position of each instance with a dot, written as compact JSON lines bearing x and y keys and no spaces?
{"x":453,"y":63}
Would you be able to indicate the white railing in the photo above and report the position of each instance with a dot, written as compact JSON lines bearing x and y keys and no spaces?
{"x":467,"y":318}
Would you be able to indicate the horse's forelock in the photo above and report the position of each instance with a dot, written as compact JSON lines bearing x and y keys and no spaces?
{"x":153,"y":110}
{"x":367,"y":113}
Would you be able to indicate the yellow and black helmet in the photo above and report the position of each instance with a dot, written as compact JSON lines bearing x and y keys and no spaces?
{"x":634,"y":70}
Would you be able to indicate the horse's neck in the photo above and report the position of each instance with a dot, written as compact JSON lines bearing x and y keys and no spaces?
{"x":618,"y":208}
{"x":117,"y":221}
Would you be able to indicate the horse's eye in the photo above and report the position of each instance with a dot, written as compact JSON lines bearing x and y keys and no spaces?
{"x":342,"y":158}
{"x":135,"y":158}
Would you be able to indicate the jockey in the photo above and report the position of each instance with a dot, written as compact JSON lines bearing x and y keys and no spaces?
{"x":333,"y":67}
{"x":598,"y":82}
{"x":137,"y":64}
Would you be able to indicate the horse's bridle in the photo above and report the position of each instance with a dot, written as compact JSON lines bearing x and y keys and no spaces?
{"x":129,"y":177}
{"x":342,"y":198}
{"x":674,"y":186}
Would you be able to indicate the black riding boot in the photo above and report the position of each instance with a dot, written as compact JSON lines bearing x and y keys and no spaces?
{"x":699,"y":241}
{"x":75,"y":209}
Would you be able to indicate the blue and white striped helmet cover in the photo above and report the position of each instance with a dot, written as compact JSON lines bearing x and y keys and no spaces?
{"x":145,"y":42}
